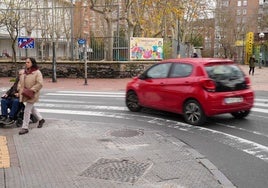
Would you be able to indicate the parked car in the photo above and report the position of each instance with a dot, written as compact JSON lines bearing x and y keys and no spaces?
{"x":197,"y":88}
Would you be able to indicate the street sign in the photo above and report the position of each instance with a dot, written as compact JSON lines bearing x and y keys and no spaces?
{"x":81,"y":41}
{"x":26,"y":42}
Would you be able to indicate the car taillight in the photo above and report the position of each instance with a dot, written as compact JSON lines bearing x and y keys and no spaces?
{"x":208,"y":85}
{"x":247,"y":80}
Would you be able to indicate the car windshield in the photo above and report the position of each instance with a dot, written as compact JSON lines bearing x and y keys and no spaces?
{"x":228,"y":77}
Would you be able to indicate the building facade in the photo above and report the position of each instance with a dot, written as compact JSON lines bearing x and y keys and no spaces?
{"x":44,"y":21}
{"x":234,"y":20}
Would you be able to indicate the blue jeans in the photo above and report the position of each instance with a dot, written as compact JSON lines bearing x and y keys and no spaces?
{"x":12,"y":104}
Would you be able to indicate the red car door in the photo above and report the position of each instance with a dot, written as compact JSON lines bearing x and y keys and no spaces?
{"x":152,"y":89}
{"x":178,"y":87}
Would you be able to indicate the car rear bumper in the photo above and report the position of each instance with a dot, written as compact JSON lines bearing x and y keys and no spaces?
{"x":217,"y":102}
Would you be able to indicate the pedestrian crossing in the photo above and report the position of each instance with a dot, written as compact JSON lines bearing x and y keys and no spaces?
{"x":87,"y":94}
{"x":70,"y":103}
{"x":100,"y":103}
{"x":76,"y":101}
{"x":80,"y":103}
{"x":260,"y":105}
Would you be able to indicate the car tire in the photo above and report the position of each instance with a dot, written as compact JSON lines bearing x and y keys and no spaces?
{"x":132,"y":101}
{"x":240,"y":114}
{"x":193,"y":113}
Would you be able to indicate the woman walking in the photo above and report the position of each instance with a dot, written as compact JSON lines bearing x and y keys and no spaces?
{"x":31,"y":79}
{"x":251,"y":65}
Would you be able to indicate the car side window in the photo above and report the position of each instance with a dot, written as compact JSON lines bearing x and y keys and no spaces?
{"x":159,"y":71}
{"x":181,"y":70}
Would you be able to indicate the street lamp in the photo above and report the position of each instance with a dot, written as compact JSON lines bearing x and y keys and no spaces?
{"x":261,"y":36}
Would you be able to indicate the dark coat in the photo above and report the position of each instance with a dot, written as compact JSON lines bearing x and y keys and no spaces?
{"x":252,"y":62}
{"x":13,"y":90}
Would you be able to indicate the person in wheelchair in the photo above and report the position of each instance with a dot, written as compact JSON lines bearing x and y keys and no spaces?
{"x":10,"y":104}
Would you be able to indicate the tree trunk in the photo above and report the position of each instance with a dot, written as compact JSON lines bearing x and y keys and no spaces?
{"x":14,"y":56}
{"x":110,"y":39}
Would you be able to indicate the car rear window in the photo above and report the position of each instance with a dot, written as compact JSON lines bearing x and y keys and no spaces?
{"x":228,"y":77}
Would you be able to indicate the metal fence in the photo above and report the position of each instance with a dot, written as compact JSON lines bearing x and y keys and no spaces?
{"x":96,"y":49}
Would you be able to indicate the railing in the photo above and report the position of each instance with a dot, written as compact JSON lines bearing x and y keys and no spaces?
{"x":97,"y":50}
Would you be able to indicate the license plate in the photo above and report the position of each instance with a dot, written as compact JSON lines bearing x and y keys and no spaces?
{"x":231,"y":100}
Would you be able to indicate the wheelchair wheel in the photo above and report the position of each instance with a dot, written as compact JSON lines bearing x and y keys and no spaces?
{"x":19,"y":122}
{"x":33,"y":118}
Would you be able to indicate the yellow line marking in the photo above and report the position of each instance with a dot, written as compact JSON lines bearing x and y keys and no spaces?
{"x":4,"y":154}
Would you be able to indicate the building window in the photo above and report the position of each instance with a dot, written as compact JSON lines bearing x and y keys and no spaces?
{"x":238,"y":12}
{"x":244,"y":11}
{"x":245,"y":3}
{"x":239,"y":3}
{"x":238,"y":20}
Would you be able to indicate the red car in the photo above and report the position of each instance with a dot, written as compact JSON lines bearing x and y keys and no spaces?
{"x":194,"y":87}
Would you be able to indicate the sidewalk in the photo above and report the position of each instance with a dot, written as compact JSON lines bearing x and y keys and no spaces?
{"x":72,"y":154}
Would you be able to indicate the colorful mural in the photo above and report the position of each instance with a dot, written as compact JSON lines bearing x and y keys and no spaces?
{"x":146,"y":48}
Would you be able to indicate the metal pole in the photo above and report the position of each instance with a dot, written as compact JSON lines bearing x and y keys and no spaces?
{"x":243,"y":51}
{"x":261,"y":36}
{"x":117,"y":28}
{"x":260,"y":59}
{"x":178,"y":39}
{"x":54,"y":76}
{"x":72,"y":31}
{"x":85,"y":59}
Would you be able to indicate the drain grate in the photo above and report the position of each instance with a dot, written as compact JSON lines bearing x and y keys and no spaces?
{"x":126,"y":133}
{"x":117,"y":170}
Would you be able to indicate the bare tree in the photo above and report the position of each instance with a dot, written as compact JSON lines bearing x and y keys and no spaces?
{"x":10,"y":18}
{"x":107,"y":9}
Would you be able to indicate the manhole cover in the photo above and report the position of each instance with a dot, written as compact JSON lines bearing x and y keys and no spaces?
{"x":126,"y":133}
{"x":117,"y":170}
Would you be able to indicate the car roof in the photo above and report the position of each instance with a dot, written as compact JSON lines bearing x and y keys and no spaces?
{"x":204,"y":61}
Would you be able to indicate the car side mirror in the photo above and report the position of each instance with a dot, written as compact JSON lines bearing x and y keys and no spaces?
{"x":143,"y":77}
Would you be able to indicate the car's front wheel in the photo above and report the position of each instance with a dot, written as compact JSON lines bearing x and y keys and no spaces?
{"x":193,"y":113}
{"x":132,"y":101}
{"x":240,"y":114}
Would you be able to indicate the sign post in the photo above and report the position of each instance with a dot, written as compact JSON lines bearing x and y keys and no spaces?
{"x":83,"y":42}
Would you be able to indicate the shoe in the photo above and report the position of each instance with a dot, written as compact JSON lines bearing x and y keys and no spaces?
{"x":40,"y":124}
{"x":23,"y":131}
{"x":3,"y":119}
{"x":9,"y":121}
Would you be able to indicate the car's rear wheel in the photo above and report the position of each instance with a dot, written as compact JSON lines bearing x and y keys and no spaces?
{"x":240,"y":114}
{"x":193,"y":113}
{"x":132,"y":101}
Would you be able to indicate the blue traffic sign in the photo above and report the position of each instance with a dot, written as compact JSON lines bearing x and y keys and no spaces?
{"x":81,"y":41}
{"x":26,"y":42}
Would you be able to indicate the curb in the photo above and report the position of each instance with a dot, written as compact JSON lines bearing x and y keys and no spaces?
{"x":218,"y":175}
